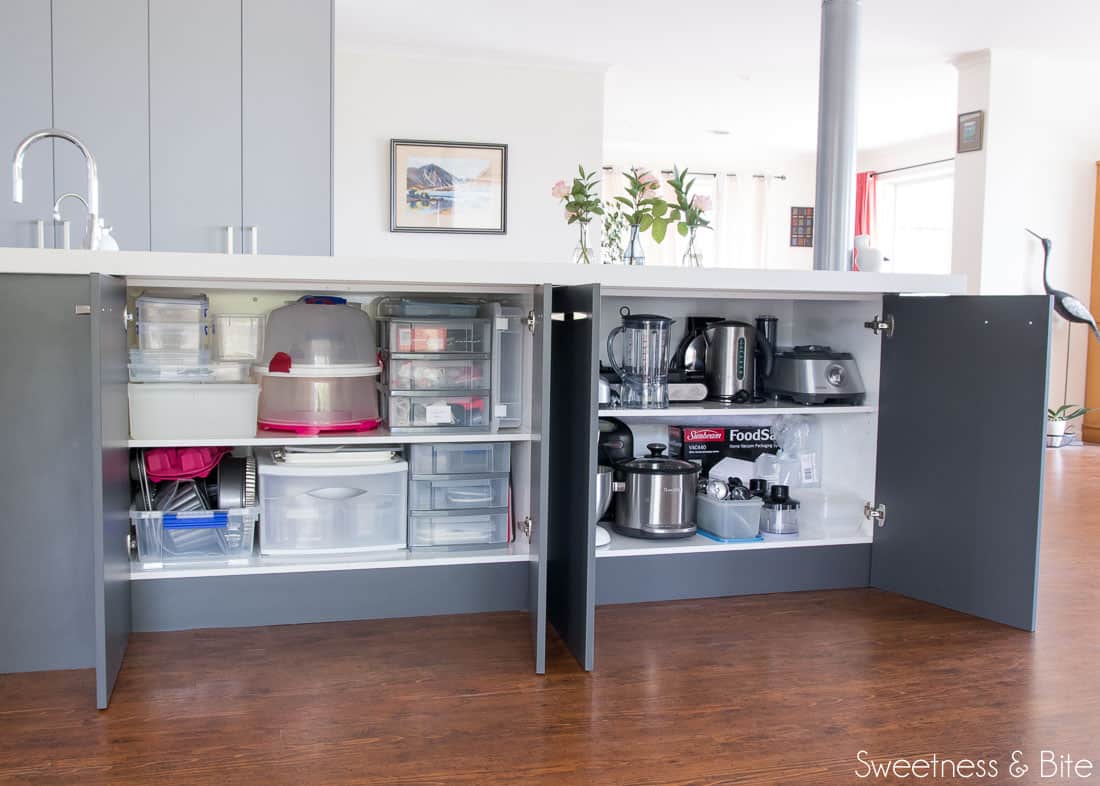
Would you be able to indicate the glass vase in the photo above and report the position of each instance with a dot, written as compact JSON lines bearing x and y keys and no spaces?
{"x":583,"y":254}
{"x":633,"y":253}
{"x":692,"y":257}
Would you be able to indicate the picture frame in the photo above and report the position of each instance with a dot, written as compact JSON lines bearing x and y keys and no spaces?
{"x":970,"y":132}
{"x":448,"y":187}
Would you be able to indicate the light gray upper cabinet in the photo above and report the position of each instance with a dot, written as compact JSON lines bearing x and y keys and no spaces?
{"x":101,"y":94}
{"x":194,"y":124}
{"x":287,"y":125}
{"x":25,"y":106}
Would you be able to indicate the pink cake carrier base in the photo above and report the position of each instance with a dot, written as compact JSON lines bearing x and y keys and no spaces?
{"x":313,"y":429}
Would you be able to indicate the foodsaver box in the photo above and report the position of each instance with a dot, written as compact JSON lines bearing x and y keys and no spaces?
{"x":707,"y":445}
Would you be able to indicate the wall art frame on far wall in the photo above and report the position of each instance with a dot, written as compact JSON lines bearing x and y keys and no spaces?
{"x":970,"y":132}
{"x":802,"y":227}
{"x":448,"y":187}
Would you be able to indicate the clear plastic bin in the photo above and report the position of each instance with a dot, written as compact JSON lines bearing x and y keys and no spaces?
{"x":215,"y":536}
{"x":231,"y":370}
{"x":458,"y":529}
{"x":406,"y":307}
{"x":458,"y":493}
{"x":321,"y":335}
{"x":417,"y":410}
{"x":728,"y":519}
{"x":186,"y":411}
{"x":330,"y":402}
{"x":173,"y":336}
{"x":435,"y":372}
{"x":238,"y":336}
{"x":830,"y":514}
{"x":185,"y":308}
{"x":436,"y":336}
{"x":460,"y":458}
{"x":154,"y":366}
{"x":509,"y":341}
{"x":331,"y":509}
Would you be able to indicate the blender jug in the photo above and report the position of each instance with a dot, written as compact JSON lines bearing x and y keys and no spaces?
{"x":645,"y":359}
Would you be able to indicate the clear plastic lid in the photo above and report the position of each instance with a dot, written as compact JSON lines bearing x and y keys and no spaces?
{"x":321,"y":334}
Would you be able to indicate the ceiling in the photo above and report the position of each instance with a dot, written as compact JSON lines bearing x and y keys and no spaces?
{"x":678,"y":71}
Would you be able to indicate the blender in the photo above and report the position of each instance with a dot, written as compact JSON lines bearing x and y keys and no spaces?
{"x":645,"y":358}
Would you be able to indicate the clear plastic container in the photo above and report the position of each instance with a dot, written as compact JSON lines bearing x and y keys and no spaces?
{"x":830,"y":514}
{"x":185,"y":411}
{"x":728,"y":519}
{"x":458,"y":493}
{"x":291,"y":402}
{"x":436,"y":336}
{"x":154,"y":366}
{"x":238,"y":336}
{"x":508,"y":364}
{"x":319,"y":335}
{"x":460,"y":458}
{"x":405,"y":307}
{"x":206,"y":536}
{"x":436,"y":372}
{"x":231,"y":371}
{"x":184,"y":308}
{"x":415,"y":410}
{"x":173,"y":336}
{"x":458,"y":529}
{"x":331,"y":509}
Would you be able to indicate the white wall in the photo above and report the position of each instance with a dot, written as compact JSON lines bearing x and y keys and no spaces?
{"x":550,"y":117}
{"x":918,"y":151}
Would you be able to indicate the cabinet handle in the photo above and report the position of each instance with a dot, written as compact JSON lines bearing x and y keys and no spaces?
{"x":228,"y":239}
{"x":39,"y":233}
{"x":253,"y":239}
{"x":66,"y":235}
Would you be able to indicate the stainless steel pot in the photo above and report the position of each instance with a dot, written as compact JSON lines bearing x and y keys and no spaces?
{"x":657,"y":496}
{"x":603,"y":491}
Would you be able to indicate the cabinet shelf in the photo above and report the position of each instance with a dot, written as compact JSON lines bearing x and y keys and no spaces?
{"x":712,"y":409}
{"x":622,"y":546}
{"x":379,"y":436}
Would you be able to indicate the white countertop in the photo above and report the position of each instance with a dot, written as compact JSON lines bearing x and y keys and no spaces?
{"x":357,"y":273}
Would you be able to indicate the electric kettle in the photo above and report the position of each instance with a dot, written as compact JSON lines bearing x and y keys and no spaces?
{"x":731,"y":361}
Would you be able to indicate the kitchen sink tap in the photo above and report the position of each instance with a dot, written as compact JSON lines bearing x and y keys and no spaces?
{"x":94,"y":233}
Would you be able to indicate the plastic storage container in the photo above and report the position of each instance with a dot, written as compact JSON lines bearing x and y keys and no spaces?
{"x":320,"y":335}
{"x":187,"y":308}
{"x":155,"y":366}
{"x":185,"y":411}
{"x":509,"y":333}
{"x":231,"y":371}
{"x":728,"y":519}
{"x":436,"y":372}
{"x":332,"y":509}
{"x":220,"y":536}
{"x":458,"y":493}
{"x":460,"y":459}
{"x":173,"y":336}
{"x":436,"y":336}
{"x":458,"y":529}
{"x":311,"y":404}
{"x":830,"y":514}
{"x":238,"y":337}
{"x":417,"y":410}
{"x":405,"y":307}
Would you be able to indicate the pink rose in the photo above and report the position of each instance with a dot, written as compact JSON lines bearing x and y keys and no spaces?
{"x":650,"y":180}
{"x":560,"y":190}
{"x":701,"y":202}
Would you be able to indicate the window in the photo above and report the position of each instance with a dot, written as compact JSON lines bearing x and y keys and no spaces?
{"x":914,"y":218}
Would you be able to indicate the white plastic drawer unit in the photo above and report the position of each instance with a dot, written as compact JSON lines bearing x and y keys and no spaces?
{"x":204,"y":536}
{"x":458,"y":492}
{"x":435,"y":372}
{"x":460,"y":459}
{"x":452,"y":529}
{"x":332,"y":508}
{"x":435,"y":336}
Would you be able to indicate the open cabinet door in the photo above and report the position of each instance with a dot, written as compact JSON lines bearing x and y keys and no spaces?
{"x":962,"y":423}
{"x":575,"y":358}
{"x":110,"y":481}
{"x":540,"y":464}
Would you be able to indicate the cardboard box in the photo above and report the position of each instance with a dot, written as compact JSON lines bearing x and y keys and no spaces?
{"x":707,"y":445}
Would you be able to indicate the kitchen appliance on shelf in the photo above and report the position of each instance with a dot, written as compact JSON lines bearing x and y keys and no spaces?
{"x":779,"y":515}
{"x":645,"y":359}
{"x":655,"y":496}
{"x":689,"y":359}
{"x":767,"y":326}
{"x":732,"y":348}
{"x":815,"y":374}
{"x":615,"y":442}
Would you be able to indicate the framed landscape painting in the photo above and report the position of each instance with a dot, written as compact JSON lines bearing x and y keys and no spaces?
{"x":448,"y":187}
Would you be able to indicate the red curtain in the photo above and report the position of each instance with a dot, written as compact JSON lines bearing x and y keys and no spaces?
{"x":865,"y":203}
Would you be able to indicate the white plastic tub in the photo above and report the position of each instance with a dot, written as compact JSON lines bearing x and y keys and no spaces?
{"x":187,"y":411}
{"x":830,"y":514}
{"x":204,"y":536}
{"x":728,"y":519}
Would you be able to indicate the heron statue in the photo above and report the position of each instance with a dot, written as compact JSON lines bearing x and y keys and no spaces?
{"x":1066,"y":305}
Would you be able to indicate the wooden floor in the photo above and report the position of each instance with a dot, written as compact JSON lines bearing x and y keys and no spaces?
{"x":765,"y":689}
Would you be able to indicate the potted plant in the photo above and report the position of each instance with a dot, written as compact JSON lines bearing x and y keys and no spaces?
{"x":581,"y":204}
{"x":689,"y":209}
{"x":1059,"y":419}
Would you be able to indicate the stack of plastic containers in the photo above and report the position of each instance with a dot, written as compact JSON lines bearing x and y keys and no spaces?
{"x":173,"y":338}
{"x":321,"y":368}
{"x":458,"y":494}
{"x":238,"y":345}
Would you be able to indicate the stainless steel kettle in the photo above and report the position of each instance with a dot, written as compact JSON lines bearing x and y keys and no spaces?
{"x":732,"y":348}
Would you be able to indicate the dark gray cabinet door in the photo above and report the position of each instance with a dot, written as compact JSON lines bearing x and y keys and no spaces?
{"x":540,"y":466}
{"x":101,"y":94}
{"x":25,"y":107}
{"x":194,"y":124}
{"x":575,"y":358}
{"x":287,"y":125}
{"x":960,"y":453}
{"x":110,"y":473}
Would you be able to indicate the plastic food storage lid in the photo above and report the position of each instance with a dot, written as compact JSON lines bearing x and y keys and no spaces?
{"x":267,"y":465}
{"x":656,"y":464}
{"x":321,"y":334}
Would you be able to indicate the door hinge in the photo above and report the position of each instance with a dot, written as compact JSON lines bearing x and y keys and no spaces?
{"x":82,"y":311}
{"x":885,"y":325}
{"x":531,"y":321}
{"x":570,"y":316}
{"x":875,"y":513}
{"x":526,"y":526}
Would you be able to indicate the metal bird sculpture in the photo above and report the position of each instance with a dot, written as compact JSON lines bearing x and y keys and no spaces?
{"x":1066,"y":305}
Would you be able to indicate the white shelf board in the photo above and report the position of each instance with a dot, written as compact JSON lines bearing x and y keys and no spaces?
{"x":622,"y":546}
{"x":402,"y":558}
{"x":379,"y":436}
{"x":711,"y":409}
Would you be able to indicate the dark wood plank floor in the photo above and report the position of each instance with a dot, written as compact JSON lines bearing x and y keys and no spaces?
{"x":765,"y":689}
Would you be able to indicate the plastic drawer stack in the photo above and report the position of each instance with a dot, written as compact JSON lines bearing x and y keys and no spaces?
{"x":437,"y":374}
{"x":458,"y":495}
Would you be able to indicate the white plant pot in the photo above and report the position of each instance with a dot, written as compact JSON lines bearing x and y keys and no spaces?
{"x":1056,"y":428}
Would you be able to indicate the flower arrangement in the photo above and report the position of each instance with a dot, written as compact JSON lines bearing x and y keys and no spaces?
{"x":689,"y":209}
{"x":614,"y":227}
{"x":646,"y":210}
{"x":582,"y":203}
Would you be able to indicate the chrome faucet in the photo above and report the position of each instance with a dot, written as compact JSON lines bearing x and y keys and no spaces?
{"x":93,"y":235}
